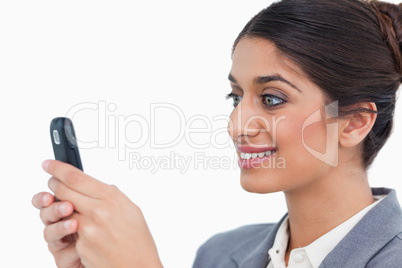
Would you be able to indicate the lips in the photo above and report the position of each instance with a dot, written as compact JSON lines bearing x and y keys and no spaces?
{"x":254,"y":156}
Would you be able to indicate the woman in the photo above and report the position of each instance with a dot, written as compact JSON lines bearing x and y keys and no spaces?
{"x":314,"y":84}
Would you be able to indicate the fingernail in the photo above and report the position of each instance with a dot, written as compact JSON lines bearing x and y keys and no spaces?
{"x":67,"y":224}
{"x":45,"y":199}
{"x":63,"y":208}
{"x":45,"y":164}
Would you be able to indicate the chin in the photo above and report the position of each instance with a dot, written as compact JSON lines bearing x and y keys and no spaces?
{"x":258,"y":183}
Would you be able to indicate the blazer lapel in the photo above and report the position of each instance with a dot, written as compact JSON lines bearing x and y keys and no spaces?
{"x":381,"y":224}
{"x":251,"y":254}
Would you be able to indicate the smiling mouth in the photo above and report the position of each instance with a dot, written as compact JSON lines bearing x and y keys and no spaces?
{"x":252,"y":157}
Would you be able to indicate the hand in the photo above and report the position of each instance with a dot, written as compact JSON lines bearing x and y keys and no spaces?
{"x":60,"y":229}
{"x":112,"y":231}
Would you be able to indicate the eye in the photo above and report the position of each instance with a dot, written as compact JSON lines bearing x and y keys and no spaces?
{"x":236,"y":98}
{"x":271,"y":100}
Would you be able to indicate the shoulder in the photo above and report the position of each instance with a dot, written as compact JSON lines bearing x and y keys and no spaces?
{"x":215,"y":252}
{"x":390,"y":255}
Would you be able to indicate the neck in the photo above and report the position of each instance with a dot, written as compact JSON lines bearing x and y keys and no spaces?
{"x":318,"y":208}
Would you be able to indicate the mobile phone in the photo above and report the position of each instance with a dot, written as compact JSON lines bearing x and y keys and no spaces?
{"x":64,"y":142}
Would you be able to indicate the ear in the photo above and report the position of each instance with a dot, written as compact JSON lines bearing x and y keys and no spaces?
{"x":356,"y":126}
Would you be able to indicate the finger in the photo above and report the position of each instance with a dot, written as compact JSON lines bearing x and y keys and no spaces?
{"x":56,"y":212}
{"x":42,"y":200}
{"x":74,"y":178}
{"x":66,"y":257}
{"x":80,"y":201}
{"x":54,"y":234}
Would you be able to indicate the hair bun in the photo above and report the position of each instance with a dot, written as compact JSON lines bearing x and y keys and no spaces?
{"x":390,"y":20}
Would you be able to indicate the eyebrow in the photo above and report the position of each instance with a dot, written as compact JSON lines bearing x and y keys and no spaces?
{"x":265,"y":79}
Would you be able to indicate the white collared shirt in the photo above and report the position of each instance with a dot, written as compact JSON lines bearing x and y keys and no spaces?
{"x":312,"y":255}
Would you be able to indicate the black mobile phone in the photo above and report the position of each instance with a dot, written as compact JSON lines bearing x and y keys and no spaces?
{"x":64,"y":141}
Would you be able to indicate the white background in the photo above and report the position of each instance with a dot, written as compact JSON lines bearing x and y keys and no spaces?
{"x":55,"y":55}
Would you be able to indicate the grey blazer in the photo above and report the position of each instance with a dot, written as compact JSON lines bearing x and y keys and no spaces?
{"x":376,"y":241}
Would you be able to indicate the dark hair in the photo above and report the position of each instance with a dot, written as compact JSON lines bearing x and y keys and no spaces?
{"x":351,"y":49}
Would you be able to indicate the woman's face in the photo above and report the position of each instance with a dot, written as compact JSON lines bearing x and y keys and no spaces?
{"x":278,"y":120}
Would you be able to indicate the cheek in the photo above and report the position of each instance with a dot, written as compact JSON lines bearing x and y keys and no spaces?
{"x":296,"y":143}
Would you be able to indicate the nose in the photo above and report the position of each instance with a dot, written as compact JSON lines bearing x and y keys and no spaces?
{"x":246,"y":122}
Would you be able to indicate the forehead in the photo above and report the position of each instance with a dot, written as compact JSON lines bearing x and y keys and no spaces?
{"x":259,"y":57}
